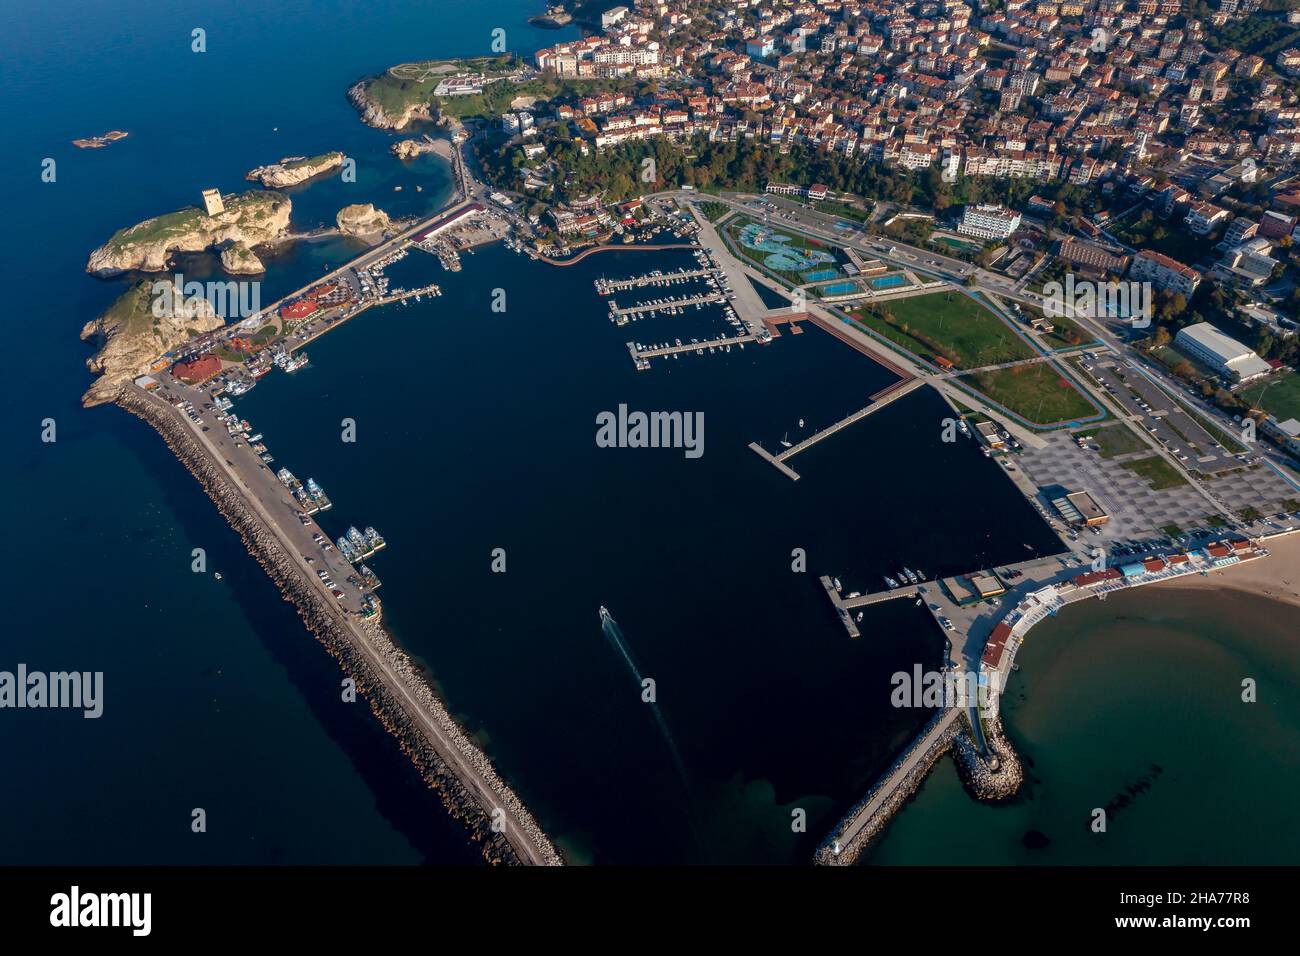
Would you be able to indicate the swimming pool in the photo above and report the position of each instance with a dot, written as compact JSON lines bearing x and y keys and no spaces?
{"x":782,"y":256}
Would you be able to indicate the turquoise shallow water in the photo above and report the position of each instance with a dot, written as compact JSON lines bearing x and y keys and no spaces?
{"x":1135,"y":704}
{"x":477,"y":433}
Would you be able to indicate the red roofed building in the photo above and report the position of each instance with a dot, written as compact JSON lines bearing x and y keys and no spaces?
{"x":298,"y":310}
{"x":1096,"y":577}
{"x":198,"y":370}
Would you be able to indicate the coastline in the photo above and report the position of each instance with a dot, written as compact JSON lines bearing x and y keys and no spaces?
{"x":399,"y":695}
{"x":1269,"y":578}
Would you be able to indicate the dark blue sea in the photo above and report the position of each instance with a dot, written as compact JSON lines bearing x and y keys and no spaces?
{"x":475,"y":432}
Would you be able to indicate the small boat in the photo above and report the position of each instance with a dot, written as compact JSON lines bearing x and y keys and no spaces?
{"x":217,"y":575}
{"x":836,"y":582}
{"x":785,"y":441}
{"x":890,"y":581}
{"x":859,"y":615}
{"x":604,"y":615}
{"x":801,"y":423}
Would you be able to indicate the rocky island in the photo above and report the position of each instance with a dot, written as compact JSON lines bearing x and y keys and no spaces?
{"x":293,"y":170}
{"x":238,"y":259}
{"x":362,"y":220}
{"x":99,"y":142}
{"x":131,"y":337}
{"x":250,"y":219}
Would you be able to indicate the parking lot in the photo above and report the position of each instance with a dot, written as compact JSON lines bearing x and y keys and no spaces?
{"x":1159,"y":415}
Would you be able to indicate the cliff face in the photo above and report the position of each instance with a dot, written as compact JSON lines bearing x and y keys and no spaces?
{"x":362,"y":219}
{"x":372,"y":114}
{"x":293,"y":170}
{"x":251,"y":219}
{"x":131,"y":337}
{"x":238,"y":259}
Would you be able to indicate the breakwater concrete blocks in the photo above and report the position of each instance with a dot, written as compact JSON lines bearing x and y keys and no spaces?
{"x":345,"y":640}
{"x":900,"y":789}
{"x":997,"y":776}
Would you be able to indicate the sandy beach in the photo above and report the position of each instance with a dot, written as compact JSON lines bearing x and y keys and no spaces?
{"x":1276,"y":577}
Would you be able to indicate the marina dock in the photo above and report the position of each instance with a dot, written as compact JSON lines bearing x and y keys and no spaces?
{"x":607,"y":286}
{"x":643,"y":310}
{"x":773,"y":460}
{"x":879,"y":400}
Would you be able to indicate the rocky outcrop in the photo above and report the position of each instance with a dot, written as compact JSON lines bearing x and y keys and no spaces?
{"x":238,"y":259}
{"x":343,"y":640}
{"x":372,"y":114}
{"x":362,"y":220}
{"x":995,"y":776}
{"x":411,"y":148}
{"x":293,"y":170}
{"x":251,"y":219}
{"x":134,"y":331}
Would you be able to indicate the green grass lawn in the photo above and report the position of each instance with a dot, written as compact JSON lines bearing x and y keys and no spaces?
{"x":1279,"y":395}
{"x":843,"y":210}
{"x":948,"y":324}
{"x":1158,"y":472}
{"x":1036,"y":392}
{"x":1117,"y":440}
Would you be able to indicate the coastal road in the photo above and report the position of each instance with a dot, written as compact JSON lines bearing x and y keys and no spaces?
{"x":291,"y":538}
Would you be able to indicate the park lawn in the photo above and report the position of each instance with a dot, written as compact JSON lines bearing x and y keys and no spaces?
{"x":1035,"y":392}
{"x":1279,"y":395}
{"x":1158,"y":472}
{"x":951,"y":325}
{"x":843,"y":210}
{"x":1117,"y":440}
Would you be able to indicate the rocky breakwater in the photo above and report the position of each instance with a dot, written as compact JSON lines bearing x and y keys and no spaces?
{"x":362,"y":220}
{"x":250,"y":219}
{"x":135,"y":330}
{"x":995,"y":776}
{"x":293,"y":170}
{"x":393,"y":685}
{"x":833,"y":852}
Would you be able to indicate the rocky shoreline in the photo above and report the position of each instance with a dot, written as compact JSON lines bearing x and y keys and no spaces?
{"x":372,"y":114}
{"x":849,"y":853}
{"x":993,"y":779}
{"x":338,"y":638}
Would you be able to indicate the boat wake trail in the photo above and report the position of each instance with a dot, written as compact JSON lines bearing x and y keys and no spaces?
{"x":615,"y":635}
